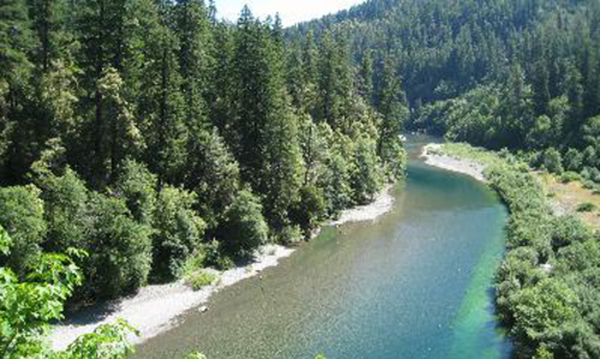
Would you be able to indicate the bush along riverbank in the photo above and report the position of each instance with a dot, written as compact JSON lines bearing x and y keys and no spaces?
{"x":548,"y":286}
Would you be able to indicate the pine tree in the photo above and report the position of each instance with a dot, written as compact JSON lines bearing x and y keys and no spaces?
{"x":394,"y":112}
{"x":366,"y":77}
{"x":572,"y":88}
{"x":16,"y":123}
{"x":221,"y":96}
{"x":255,"y":95}
{"x":101,"y":32}
{"x":192,"y":28}
{"x":335,"y":81}
{"x":49,"y":22}
{"x":517,"y":109}
{"x":216,"y":177}
{"x":268,"y":152}
{"x":541,"y":89}
{"x":121,"y":137}
{"x":155,"y":86}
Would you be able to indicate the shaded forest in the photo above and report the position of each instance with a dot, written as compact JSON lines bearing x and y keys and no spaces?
{"x":149,"y":133}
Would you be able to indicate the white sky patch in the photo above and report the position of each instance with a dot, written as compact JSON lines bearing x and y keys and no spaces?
{"x":291,"y":11}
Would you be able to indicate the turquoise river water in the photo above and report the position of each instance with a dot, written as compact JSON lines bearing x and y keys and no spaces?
{"x":417,"y":283}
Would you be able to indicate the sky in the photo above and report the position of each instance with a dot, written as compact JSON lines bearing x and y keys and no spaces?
{"x":291,"y":11}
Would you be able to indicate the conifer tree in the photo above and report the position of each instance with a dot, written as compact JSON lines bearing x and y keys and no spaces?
{"x":192,"y":28}
{"x":366,"y":76}
{"x":394,"y":114}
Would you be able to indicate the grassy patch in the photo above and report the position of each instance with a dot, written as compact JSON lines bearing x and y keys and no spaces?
{"x":569,"y":177}
{"x":480,"y":155}
{"x":201,"y":279}
{"x":586,"y":207}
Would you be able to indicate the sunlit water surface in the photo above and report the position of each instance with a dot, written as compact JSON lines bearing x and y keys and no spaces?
{"x":415,"y":284}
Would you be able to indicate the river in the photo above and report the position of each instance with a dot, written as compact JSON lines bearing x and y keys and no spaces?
{"x":417,"y":283}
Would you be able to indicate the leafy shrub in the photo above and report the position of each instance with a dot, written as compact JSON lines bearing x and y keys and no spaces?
{"x":200,"y":279}
{"x":179,"y":231}
{"x":290,"y":235}
{"x":568,"y":177}
{"x":590,"y":157}
{"x":137,"y":186}
{"x":591,"y":174}
{"x":216,"y":177}
{"x":311,"y":208}
{"x":66,"y":204}
{"x":573,"y":160}
{"x":588,"y":184}
{"x":123,"y":263}
{"x":552,"y":161}
{"x":586,"y":207}
{"x":243,"y":228}
{"x":367,"y":176}
{"x":225,"y":262}
{"x":196,"y":356}
{"x":29,"y":303}
{"x":193,"y":263}
{"x":22,"y":215}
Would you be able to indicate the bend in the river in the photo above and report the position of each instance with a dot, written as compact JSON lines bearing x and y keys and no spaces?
{"x":415,"y":284}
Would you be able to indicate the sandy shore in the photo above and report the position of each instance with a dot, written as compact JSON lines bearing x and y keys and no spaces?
{"x":155,"y":309}
{"x":382,"y":204}
{"x":433,"y":157}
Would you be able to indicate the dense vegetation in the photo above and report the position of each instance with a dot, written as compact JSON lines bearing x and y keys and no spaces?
{"x":522,"y":75}
{"x":159,"y":140}
{"x":28,"y":304}
{"x":147,"y":133}
{"x":547,"y":287}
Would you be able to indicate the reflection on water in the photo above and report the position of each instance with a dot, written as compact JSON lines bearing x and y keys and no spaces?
{"x":416,"y":284}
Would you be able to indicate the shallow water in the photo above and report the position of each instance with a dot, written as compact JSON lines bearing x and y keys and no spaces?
{"x":415,"y":284}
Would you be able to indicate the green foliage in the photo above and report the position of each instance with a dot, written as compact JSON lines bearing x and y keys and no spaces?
{"x":137,"y":186}
{"x":216,"y":177}
{"x":22,"y":214}
{"x":243,"y":228}
{"x":568,"y":177}
{"x":573,"y":160}
{"x":28,"y":305}
{"x":66,"y":203}
{"x":158,"y":136}
{"x":290,"y":235}
{"x":107,"y":341}
{"x":552,"y":161}
{"x":311,"y":209}
{"x":179,"y":231}
{"x":586,"y":207}
{"x":542,"y":310}
{"x":196,"y":356}
{"x":119,"y":247}
{"x":542,"y":293}
{"x":367,"y":177}
{"x":200,"y":279}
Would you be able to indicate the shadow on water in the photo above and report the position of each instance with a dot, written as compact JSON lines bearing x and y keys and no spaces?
{"x":417,"y":283}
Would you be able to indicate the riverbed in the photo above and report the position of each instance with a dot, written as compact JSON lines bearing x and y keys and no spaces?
{"x":416,"y":283}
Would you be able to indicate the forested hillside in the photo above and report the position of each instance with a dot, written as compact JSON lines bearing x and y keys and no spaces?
{"x":521,"y":74}
{"x":517,"y":74}
{"x":148,"y":132}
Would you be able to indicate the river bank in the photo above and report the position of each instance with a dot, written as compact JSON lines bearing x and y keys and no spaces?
{"x":156,"y":308}
{"x":415,"y":281}
{"x":433,"y":155}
